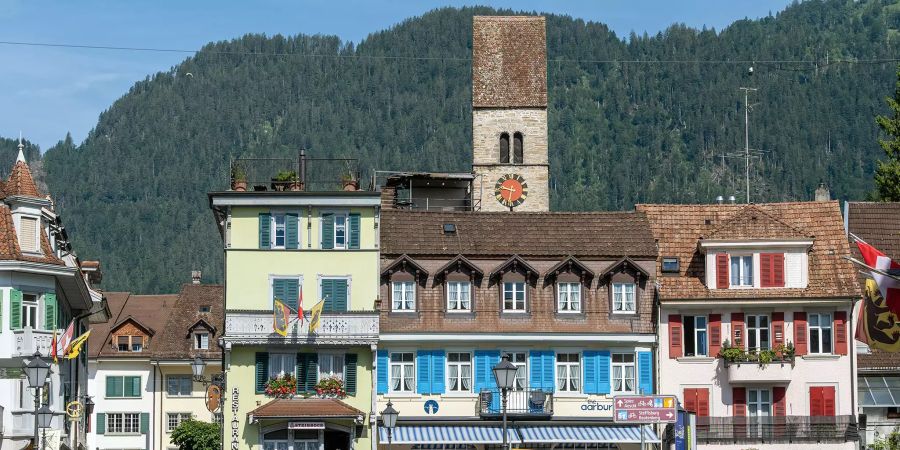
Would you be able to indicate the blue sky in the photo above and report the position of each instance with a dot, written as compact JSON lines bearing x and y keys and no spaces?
{"x":45,"y":92}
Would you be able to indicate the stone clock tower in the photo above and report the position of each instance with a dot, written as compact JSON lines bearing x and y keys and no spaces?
{"x":509,"y":112}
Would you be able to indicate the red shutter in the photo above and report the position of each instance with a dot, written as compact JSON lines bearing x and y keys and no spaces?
{"x":821,"y":401}
{"x":737,"y":330}
{"x":778,"y":394}
{"x":722,"y":271}
{"x":715,"y":334}
{"x":778,"y":270}
{"x":840,"y":332}
{"x":828,"y":401}
{"x":778,"y":328}
{"x":702,"y":402}
{"x":739,"y":400}
{"x":765,"y":270}
{"x":675,"y":347}
{"x":690,"y":399}
{"x":800,"y":333}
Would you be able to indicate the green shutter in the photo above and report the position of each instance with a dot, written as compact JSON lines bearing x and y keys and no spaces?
{"x":50,"y":311}
{"x":15,"y":305}
{"x":327,"y":231}
{"x":114,"y":386}
{"x":101,"y":423}
{"x":145,"y":423}
{"x":354,"y":231}
{"x":278,"y":289}
{"x":262,"y":371}
{"x":265,"y":228}
{"x":327,"y":294}
{"x":290,"y":231}
{"x":133,"y":386}
{"x":340,"y":296}
{"x":350,"y":373}
{"x":307,"y":371}
{"x":291,"y":293}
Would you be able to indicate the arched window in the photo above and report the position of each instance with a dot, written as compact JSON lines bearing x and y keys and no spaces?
{"x":504,"y":148}
{"x":517,"y":148}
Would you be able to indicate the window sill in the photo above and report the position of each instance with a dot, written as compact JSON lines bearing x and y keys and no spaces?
{"x":123,"y":434}
{"x":821,"y":357}
{"x":695,"y":359}
{"x":460,"y":395}
{"x":572,"y":395}
{"x":624,"y":313}
{"x":407,"y":395}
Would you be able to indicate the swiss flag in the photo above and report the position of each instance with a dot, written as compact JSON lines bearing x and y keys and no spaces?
{"x":889,"y":287}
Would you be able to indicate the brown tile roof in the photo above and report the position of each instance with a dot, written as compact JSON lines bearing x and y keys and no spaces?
{"x":878,"y":360}
{"x":560,"y":234}
{"x":306,"y":407}
{"x":175,"y":340}
{"x":509,"y":62}
{"x":151,"y":311}
{"x":877,"y":223}
{"x":21,"y":182}
{"x":9,"y":242}
{"x":678,"y":229}
{"x":754,"y":223}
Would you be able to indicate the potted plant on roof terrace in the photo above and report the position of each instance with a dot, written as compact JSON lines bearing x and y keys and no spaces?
{"x":238,"y":178}
{"x":285,"y":180}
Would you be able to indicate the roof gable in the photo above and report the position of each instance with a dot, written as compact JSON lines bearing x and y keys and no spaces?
{"x":404,"y":264}
{"x":458,"y":264}
{"x":133,"y":321}
{"x":752,"y":223}
{"x":515,"y":263}
{"x":201,"y":324}
{"x":569,"y":264}
{"x":625,"y":263}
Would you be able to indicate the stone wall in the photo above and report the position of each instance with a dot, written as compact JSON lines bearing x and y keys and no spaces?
{"x":536,"y":177}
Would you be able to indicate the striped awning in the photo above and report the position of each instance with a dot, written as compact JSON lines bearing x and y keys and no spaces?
{"x":447,"y":434}
{"x":586,"y":434}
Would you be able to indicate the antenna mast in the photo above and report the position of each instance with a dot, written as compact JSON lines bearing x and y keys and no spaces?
{"x":747,"y":137}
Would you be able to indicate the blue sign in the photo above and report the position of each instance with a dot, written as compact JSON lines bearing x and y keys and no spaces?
{"x":431,"y":407}
{"x":680,"y":430}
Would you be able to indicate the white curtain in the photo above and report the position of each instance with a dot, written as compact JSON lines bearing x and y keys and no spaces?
{"x":466,"y":377}
{"x":629,"y":378}
{"x":395,"y":377}
{"x":409,"y":377}
{"x":617,"y":378}
{"x":561,"y":378}
{"x":464,"y":295}
{"x":454,"y":377}
{"x":575,"y":376}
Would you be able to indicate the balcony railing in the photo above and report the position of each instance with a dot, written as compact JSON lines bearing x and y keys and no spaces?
{"x":301,"y":174}
{"x":28,"y":341}
{"x":783,"y":429}
{"x":255,"y":327}
{"x":754,"y":372}
{"x":520,"y":404}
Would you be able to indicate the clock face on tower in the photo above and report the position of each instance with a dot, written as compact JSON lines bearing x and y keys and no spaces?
{"x":511,"y":190}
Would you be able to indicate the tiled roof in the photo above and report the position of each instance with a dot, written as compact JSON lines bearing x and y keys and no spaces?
{"x":9,"y":242}
{"x":754,"y":223}
{"x":151,"y":311}
{"x":679,"y":228}
{"x":877,"y":223}
{"x":21,"y":182}
{"x":560,"y":234}
{"x":878,"y":360}
{"x":306,"y":407}
{"x":509,"y":62}
{"x":175,"y":341}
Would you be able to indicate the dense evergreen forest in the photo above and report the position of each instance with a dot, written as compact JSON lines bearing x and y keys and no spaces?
{"x":632,"y":119}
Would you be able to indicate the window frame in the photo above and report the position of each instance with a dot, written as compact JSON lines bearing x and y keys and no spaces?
{"x":459,"y":301}
{"x":757,"y":332}
{"x":345,"y":218}
{"x":129,"y":423}
{"x":459,"y":373}
{"x":179,"y":419}
{"x":402,"y":378}
{"x":130,"y":344}
{"x":743,"y":257}
{"x":623,"y":365}
{"x":282,"y":358}
{"x":829,"y":326}
{"x":522,"y":365}
{"x":31,"y":305}
{"x":622,"y":285}
{"x":568,"y":302}
{"x":332,"y":356}
{"x":670,"y":260}
{"x":572,"y":372}
{"x":37,"y":233}
{"x":273,"y":223}
{"x":198,"y":341}
{"x":180,"y":377}
{"x":759,"y":401}
{"x":124,"y":391}
{"x":508,"y":140}
{"x":404,"y":284}
{"x":696,"y":333}
{"x":515,"y":301}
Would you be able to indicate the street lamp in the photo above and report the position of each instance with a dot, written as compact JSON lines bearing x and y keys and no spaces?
{"x":37,"y":371}
{"x":505,"y":375}
{"x":389,"y":419}
{"x":45,"y":420}
{"x":198,"y":366}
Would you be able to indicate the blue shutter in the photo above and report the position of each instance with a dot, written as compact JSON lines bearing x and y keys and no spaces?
{"x":340,"y":296}
{"x":645,"y":373}
{"x":438,"y":378}
{"x":423,"y":372}
{"x":291,"y":293}
{"x":265,"y":228}
{"x":291,"y":231}
{"x":604,"y":360}
{"x":327,"y":231}
{"x":535,"y":369}
{"x":485,"y":360}
{"x":590,"y":360}
{"x":354,"y":231}
{"x":382,"y":372}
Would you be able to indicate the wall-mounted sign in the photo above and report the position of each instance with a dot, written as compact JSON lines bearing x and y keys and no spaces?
{"x":306,"y":425}
{"x":644,"y":409}
{"x":73,"y":409}
{"x":597,"y":406}
{"x":235,"y":423}
{"x":431,"y":407}
{"x":213,"y":398}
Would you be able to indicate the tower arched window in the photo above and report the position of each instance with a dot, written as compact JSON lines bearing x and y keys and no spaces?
{"x":518,"y":157}
{"x":504,"y":148}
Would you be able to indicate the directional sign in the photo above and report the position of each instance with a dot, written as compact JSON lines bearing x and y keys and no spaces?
{"x":644,"y":409}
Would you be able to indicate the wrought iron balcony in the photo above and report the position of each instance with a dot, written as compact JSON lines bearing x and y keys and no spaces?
{"x":520,"y":404}
{"x":255,"y":328}
{"x":781,"y":429}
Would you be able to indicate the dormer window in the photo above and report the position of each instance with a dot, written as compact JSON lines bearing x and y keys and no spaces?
{"x":130,"y":343}
{"x":742,"y":270}
{"x":28,"y":234}
{"x":569,"y":295}
{"x":624,"y":298}
{"x":514,"y":296}
{"x":201,"y":341}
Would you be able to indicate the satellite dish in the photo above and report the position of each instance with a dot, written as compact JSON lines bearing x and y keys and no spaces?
{"x":192,"y":75}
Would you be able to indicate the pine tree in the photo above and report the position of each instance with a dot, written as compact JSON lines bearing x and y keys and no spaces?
{"x":887,"y":174}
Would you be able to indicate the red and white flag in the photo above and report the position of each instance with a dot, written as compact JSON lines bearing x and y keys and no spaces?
{"x":888,"y":286}
{"x":65,"y":340}
{"x":300,"y":307}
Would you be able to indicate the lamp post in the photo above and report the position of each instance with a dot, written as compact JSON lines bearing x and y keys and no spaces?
{"x":45,"y":420}
{"x":505,"y":376}
{"x":198,"y":366}
{"x":389,"y":420}
{"x":37,"y":371}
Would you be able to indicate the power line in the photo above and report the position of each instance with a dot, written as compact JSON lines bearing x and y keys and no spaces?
{"x":450,"y":58}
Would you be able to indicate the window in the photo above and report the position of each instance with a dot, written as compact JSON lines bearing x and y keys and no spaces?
{"x":742,"y":271}
{"x":331,"y":365}
{"x":519,"y":359}
{"x":403,"y":377}
{"x":281,"y":363}
{"x":820,"y":333}
{"x":757,"y":332}
{"x":123,"y":386}
{"x":695,"y":335}
{"x":569,"y":296}
{"x":504,"y":148}
{"x":175,"y":419}
{"x":201,"y":341}
{"x":623,"y":298}
{"x":404,"y":296}
{"x":517,"y":148}
{"x":340,"y":231}
{"x":623,"y":373}
{"x":179,"y":385}
{"x":459,"y":296}
{"x":30,"y":311}
{"x":204,"y":309}
{"x":459,"y":372}
{"x":123,"y":423}
{"x":670,"y":264}
{"x":568,"y":372}
{"x":759,"y":402}
{"x":278,"y":237}
{"x":130,"y":343}
{"x":28,"y":234}
{"x":514,"y":296}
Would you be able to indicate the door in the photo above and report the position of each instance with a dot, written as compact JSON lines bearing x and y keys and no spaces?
{"x":759,"y":409}
{"x":821,"y":401}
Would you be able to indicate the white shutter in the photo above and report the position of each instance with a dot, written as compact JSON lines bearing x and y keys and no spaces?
{"x":28,"y":240}
{"x":793,"y":270}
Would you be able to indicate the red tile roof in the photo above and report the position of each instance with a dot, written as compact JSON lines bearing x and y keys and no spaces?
{"x":679,"y":228}
{"x":509,"y":62}
{"x":9,"y":242}
{"x":306,"y":408}
{"x":21,"y":182}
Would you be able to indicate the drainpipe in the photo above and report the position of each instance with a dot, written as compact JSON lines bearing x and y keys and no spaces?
{"x":373,"y":416}
{"x":155,"y":378}
{"x":851,"y":343}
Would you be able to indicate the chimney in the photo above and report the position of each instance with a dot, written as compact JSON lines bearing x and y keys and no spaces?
{"x":195,"y":276}
{"x":822,"y":193}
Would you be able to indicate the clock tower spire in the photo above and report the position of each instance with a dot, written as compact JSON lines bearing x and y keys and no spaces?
{"x":509,"y":112}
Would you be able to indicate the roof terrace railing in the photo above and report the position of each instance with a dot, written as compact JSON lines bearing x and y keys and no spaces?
{"x":300,"y":174}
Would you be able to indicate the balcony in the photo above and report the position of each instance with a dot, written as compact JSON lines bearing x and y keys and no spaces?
{"x":300,"y":174}
{"x":783,"y":429}
{"x":777,"y":372}
{"x":255,"y":328}
{"x":528,"y":403}
{"x":28,"y":341}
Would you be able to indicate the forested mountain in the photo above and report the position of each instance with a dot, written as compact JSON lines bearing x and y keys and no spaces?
{"x":622,"y":130}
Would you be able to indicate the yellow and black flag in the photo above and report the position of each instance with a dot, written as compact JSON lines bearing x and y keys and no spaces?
{"x":281,"y":318}
{"x":315,"y":315}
